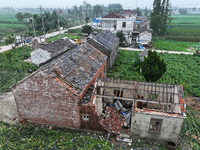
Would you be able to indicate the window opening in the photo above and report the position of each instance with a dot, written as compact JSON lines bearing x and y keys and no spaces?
{"x":155,"y":124}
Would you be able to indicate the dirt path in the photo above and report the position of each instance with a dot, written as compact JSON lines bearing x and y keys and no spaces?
{"x":159,"y":51}
{"x":8,"y":111}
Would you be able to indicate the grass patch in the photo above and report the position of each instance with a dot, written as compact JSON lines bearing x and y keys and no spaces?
{"x":174,"y":45}
{"x":69,"y":35}
{"x":181,"y":69}
{"x":191,"y":129}
{"x":30,"y":137}
{"x":12,"y":67}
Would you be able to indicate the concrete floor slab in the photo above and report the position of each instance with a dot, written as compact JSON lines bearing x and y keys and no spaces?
{"x":8,"y":108}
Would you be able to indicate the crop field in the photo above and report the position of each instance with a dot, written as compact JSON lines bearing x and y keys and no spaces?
{"x":183,"y":34}
{"x":9,"y":24}
{"x":185,"y":28}
{"x":175,"y":45}
{"x":181,"y":69}
{"x":12,"y":67}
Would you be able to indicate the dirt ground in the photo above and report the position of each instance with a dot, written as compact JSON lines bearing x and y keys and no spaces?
{"x":8,"y":109}
{"x":193,"y":102}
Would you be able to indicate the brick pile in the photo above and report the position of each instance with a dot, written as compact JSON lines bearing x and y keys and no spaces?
{"x":112,"y":120}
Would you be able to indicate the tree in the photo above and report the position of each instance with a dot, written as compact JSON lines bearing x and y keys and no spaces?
{"x":153,"y":67}
{"x":19,"y":16}
{"x":9,"y":40}
{"x":115,"y":8}
{"x":160,"y":17}
{"x":183,"y":11}
{"x":121,"y":36}
{"x":87,"y":29}
{"x":146,"y":12}
{"x":97,"y":10}
{"x":138,"y":11}
{"x":86,"y":19}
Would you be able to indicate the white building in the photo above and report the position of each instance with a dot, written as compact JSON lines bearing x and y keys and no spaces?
{"x":115,"y":22}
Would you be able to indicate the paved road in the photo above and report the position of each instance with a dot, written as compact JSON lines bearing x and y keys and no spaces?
{"x":159,"y":51}
{"x":9,"y":47}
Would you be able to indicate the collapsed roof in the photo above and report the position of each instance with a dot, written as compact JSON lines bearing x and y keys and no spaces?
{"x":76,"y":67}
{"x":59,"y":46}
{"x":164,"y":98}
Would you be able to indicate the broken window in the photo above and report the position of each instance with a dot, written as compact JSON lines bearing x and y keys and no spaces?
{"x":123,"y":24}
{"x":155,"y":124}
{"x":85,"y":117}
{"x":118,"y":93}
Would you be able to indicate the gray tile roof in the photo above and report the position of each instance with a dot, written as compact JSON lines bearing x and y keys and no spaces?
{"x":76,"y":67}
{"x":107,"y":38}
{"x":59,"y":46}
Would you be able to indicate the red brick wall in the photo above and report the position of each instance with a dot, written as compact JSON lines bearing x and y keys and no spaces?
{"x":103,"y":75}
{"x":40,"y":98}
{"x":93,"y":123}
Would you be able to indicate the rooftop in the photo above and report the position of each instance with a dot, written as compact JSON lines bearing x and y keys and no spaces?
{"x":128,"y":12}
{"x":76,"y":67}
{"x":107,"y":38}
{"x":59,"y":46}
{"x":113,"y":15}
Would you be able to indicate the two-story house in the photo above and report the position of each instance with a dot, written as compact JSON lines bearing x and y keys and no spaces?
{"x":114,"y":22}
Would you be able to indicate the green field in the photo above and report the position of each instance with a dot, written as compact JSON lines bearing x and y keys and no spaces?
{"x":183,"y":34}
{"x":9,"y":24}
{"x":185,"y":28}
{"x":12,"y":67}
{"x":181,"y":69}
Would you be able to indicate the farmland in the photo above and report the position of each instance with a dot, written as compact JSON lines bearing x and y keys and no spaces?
{"x":182,"y":34}
{"x":12,"y":67}
{"x":9,"y":24}
{"x":181,"y":69}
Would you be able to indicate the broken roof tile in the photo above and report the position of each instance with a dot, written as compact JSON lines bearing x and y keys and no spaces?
{"x":76,"y":67}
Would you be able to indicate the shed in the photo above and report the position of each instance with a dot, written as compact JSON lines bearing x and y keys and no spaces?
{"x":145,"y":37}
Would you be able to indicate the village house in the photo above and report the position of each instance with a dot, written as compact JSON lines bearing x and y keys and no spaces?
{"x":51,"y":50}
{"x":107,"y":43}
{"x":114,"y":22}
{"x":147,"y":110}
{"x":128,"y":13}
{"x":52,"y":94}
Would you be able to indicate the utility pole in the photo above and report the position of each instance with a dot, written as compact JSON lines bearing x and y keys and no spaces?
{"x":42,"y":23}
{"x":33,"y":26}
{"x":58,"y":21}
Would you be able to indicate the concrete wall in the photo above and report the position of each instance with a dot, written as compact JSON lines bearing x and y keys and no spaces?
{"x":40,"y":56}
{"x":40,"y":98}
{"x":170,"y":127}
{"x":129,"y":25}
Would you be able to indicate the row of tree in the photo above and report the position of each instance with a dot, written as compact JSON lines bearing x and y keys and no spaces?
{"x":160,"y":17}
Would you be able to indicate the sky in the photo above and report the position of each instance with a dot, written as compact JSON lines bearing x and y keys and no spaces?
{"x":127,"y":4}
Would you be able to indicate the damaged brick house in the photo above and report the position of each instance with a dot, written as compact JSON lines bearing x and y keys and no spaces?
{"x":147,"y":110}
{"x":51,"y":50}
{"x":52,"y":94}
{"x":107,"y":43}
